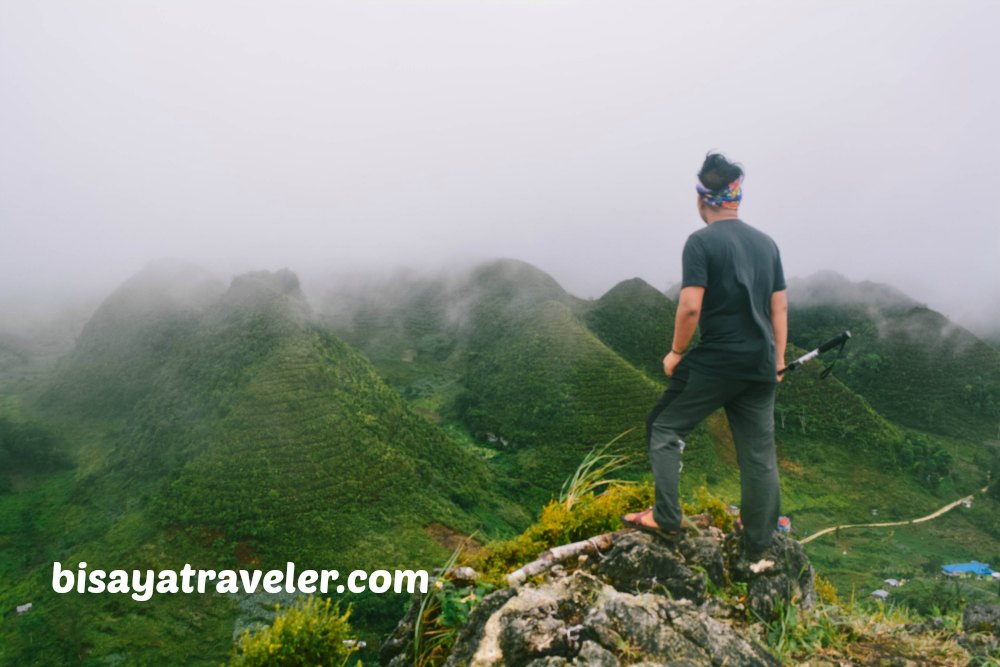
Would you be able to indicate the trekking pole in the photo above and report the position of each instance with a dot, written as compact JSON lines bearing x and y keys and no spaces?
{"x":838,"y":340}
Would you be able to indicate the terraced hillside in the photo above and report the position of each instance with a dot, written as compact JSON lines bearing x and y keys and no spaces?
{"x":512,"y":365}
{"x":538,"y":376}
{"x":635,"y":320}
{"x":233,"y":427}
{"x":914,"y":365}
{"x":243,"y":434}
{"x":547,"y":390}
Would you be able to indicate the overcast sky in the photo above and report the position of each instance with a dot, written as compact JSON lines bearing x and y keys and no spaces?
{"x":326,"y":135}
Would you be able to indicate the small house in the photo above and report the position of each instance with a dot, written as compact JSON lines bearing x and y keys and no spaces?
{"x":24,"y":608}
{"x":891,"y":583}
{"x":975,"y":568}
{"x":880,"y":595}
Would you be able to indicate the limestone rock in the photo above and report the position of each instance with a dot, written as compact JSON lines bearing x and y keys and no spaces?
{"x":577,"y":620}
{"x":640,"y":563}
{"x":790,"y":578}
{"x":639,"y":602}
{"x":981,"y":617}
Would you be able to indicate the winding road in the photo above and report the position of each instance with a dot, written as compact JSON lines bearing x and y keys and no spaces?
{"x":934,"y":515}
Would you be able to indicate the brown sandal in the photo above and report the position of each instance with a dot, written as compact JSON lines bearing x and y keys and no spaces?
{"x":671,"y":536}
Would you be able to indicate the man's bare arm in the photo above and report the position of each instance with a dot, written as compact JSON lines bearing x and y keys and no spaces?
{"x":685,"y":324}
{"x":688,"y":312}
{"x":779,"y":323}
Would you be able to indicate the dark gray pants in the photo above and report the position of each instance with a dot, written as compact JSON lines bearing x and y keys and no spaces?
{"x":690,"y":398}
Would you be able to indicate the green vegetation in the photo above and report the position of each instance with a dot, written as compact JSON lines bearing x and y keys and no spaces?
{"x":442,"y":612}
{"x":593,"y":515}
{"x":310,"y":632}
{"x":548,"y":390}
{"x":251,"y":437}
{"x":913,"y":365}
{"x":513,"y":367}
{"x":637,"y":321}
{"x":26,"y":449}
{"x":231,"y":428}
{"x":792,"y":634}
{"x":593,"y":473}
{"x":864,"y":633}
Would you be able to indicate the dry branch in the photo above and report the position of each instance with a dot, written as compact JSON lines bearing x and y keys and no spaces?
{"x":563,"y":553}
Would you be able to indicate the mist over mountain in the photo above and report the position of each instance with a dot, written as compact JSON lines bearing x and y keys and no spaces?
{"x":224,"y":425}
{"x":832,"y":288}
{"x":279,"y":392}
{"x":14,"y":354}
{"x":257,"y":291}
{"x":500,"y":348}
{"x":162,"y":290}
{"x":387,"y":416}
{"x":130,"y":334}
{"x":914,"y":364}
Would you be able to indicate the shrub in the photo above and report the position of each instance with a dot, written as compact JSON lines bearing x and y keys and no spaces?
{"x":825,"y":590}
{"x":704,"y":502}
{"x":310,"y":632}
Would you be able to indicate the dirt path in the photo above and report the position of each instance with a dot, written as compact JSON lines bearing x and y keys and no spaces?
{"x":933,"y":515}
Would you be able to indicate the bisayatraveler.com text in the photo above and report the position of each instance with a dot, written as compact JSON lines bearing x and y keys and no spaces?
{"x":143,"y":584}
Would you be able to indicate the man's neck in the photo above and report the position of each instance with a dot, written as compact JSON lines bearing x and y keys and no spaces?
{"x":716,"y":216}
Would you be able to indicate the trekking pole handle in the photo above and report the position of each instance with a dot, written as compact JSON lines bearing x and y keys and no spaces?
{"x":839,"y":339}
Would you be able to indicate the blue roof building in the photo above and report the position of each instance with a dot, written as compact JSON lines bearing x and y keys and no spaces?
{"x":975,"y":567}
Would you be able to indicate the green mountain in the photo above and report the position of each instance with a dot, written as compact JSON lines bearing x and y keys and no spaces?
{"x":914,"y":365}
{"x":333,"y":453}
{"x":240,"y":427}
{"x":128,"y":338}
{"x":225,"y":432}
{"x":503,"y":354}
{"x":32,"y":340}
{"x":635,"y":320}
{"x":14,"y":356}
{"x":507,"y":368}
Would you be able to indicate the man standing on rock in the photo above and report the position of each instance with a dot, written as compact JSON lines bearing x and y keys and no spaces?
{"x":733,"y":285}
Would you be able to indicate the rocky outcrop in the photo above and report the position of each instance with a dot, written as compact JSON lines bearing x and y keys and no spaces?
{"x":981,"y":622}
{"x":782,"y":574}
{"x":266,"y":290}
{"x":635,"y":601}
{"x":981,"y":617}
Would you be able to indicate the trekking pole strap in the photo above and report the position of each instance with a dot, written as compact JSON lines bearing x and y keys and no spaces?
{"x":840,"y":352}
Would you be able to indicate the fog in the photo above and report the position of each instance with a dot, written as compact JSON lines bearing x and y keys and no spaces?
{"x":332,"y":136}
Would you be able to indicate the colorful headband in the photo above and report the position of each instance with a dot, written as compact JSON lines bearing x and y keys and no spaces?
{"x":728,"y":198}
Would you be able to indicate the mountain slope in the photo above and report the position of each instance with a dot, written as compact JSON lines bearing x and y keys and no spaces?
{"x":238,"y":430}
{"x":913,"y":364}
{"x":635,"y":320}
{"x":129,"y":336}
{"x":247,"y":436}
{"x":548,"y":391}
{"x":540,"y":377}
{"x":502,"y":354}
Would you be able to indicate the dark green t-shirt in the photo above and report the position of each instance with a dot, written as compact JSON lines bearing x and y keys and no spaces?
{"x":739,"y":267}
